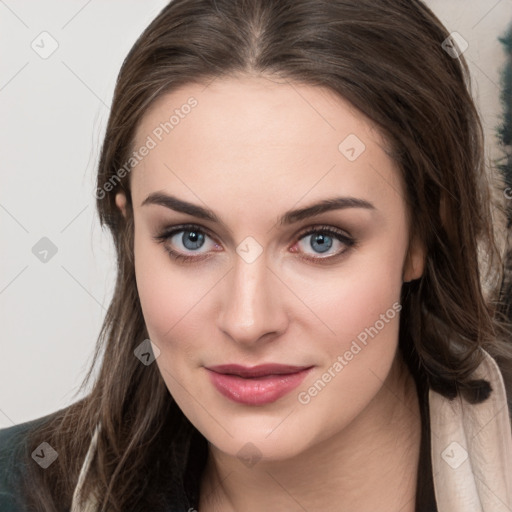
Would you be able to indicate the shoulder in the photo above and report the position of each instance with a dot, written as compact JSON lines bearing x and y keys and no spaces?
{"x":12,"y":461}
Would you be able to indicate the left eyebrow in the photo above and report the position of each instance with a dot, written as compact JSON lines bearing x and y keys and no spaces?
{"x":290,"y":217}
{"x":336,"y":203}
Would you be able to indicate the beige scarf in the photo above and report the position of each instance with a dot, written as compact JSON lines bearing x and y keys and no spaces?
{"x":471,"y":451}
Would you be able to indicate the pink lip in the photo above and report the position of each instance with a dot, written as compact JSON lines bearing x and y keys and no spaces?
{"x":256,"y":385}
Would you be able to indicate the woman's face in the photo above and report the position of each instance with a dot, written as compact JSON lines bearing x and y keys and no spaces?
{"x":269,"y":279}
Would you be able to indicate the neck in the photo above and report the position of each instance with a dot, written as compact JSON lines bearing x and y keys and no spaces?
{"x":370,"y":465}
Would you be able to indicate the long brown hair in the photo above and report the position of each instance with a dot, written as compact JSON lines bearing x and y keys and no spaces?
{"x":387,"y":58}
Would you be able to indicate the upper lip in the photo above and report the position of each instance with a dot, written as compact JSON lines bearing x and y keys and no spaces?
{"x":256,"y":371}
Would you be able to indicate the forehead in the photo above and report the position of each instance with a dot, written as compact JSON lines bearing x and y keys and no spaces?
{"x":258,"y":136}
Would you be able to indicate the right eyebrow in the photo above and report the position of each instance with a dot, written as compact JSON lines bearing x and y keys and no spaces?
{"x":173,"y":203}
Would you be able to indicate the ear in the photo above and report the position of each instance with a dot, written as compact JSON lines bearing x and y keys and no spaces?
{"x":121,"y":202}
{"x":415,"y":261}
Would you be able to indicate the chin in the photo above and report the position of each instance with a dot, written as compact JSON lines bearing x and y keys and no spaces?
{"x":261,"y":439}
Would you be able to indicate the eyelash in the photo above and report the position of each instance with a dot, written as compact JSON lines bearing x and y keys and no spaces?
{"x":349,"y":241}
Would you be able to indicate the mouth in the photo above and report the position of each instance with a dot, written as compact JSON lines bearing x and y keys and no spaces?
{"x":256,"y":385}
{"x":261,"y":370}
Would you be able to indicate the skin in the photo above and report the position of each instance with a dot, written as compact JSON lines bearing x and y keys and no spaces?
{"x":251,"y":150}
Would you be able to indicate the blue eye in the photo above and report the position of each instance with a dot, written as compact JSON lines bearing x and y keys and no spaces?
{"x":192,"y":238}
{"x":322,"y":242}
{"x":324,"y":238}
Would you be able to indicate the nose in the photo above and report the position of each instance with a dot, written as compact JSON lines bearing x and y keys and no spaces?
{"x":251,"y":310}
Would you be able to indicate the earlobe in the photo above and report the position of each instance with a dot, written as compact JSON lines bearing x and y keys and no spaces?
{"x":415,"y":261}
{"x":121,"y":202}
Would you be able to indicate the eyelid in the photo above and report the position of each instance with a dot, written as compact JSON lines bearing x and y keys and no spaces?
{"x":323,"y":228}
{"x":166,"y":233}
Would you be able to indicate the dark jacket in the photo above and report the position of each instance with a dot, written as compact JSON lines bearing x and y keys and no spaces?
{"x":12,"y":462}
{"x":182,"y":493}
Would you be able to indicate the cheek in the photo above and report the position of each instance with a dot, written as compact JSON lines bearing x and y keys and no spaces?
{"x":354,"y":296}
{"x":168,"y":295}
{"x":363,"y":311}
{"x":171,"y":309}
{"x":359,"y":306}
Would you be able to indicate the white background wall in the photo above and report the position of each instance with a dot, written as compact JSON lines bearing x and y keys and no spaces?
{"x":52,"y":116}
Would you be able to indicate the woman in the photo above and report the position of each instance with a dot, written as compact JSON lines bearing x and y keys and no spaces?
{"x":306,"y":313}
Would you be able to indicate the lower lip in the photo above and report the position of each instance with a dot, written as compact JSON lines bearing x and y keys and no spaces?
{"x":256,"y":391}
